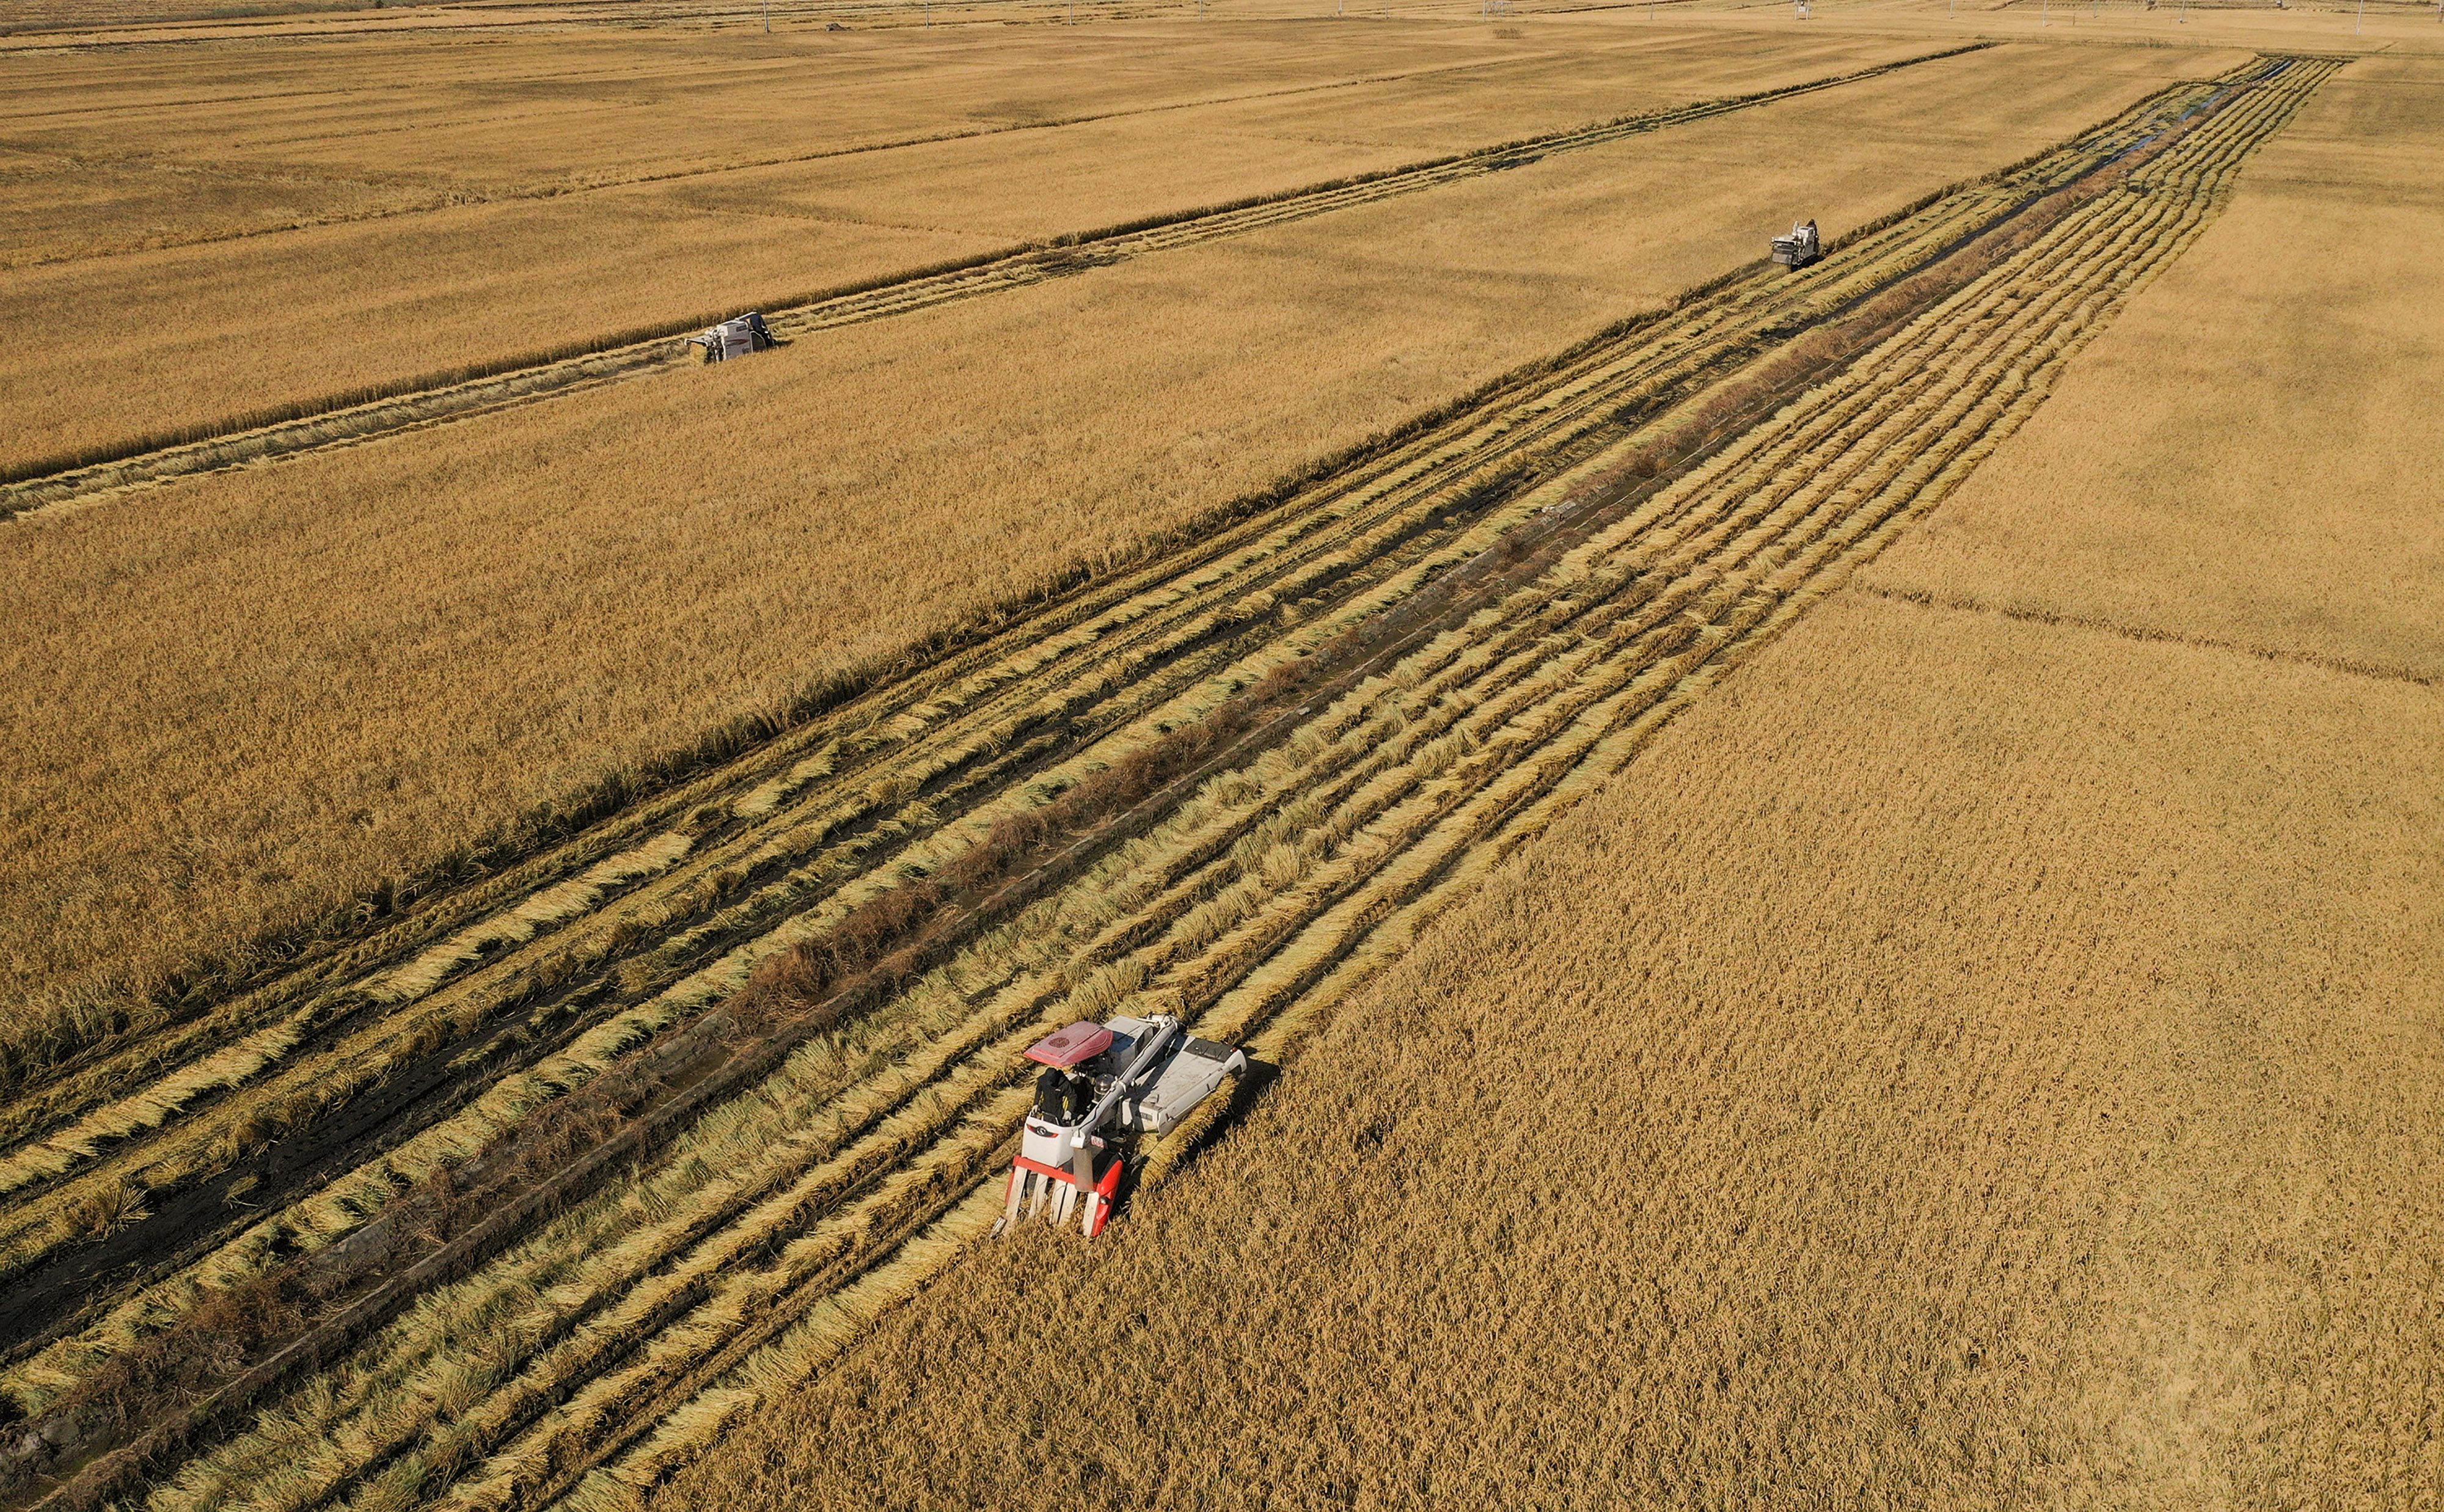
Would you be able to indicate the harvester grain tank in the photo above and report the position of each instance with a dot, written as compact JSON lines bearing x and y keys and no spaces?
{"x":1800,"y":248}
{"x":1103,"y":1087}
{"x":735,"y":338}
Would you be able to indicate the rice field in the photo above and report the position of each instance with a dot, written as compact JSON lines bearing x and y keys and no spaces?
{"x":523,"y":1189}
{"x":1969,"y":1062}
{"x":1826,"y":873}
{"x":352,"y":668}
{"x":2296,"y":319}
{"x":1980,"y":1056}
{"x":490,"y":225}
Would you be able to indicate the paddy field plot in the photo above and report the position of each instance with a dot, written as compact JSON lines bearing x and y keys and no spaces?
{"x":352,"y":662}
{"x":1476,"y":597}
{"x":555,"y":255}
{"x":550,"y":1175}
{"x":1966,"y":1060}
{"x":2279,"y":485}
{"x":1979,"y":1055}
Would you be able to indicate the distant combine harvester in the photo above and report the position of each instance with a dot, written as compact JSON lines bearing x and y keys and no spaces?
{"x":1800,"y":248}
{"x":737,"y":337}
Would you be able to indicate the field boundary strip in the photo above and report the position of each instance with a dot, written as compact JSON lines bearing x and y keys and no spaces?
{"x":1447,"y":703}
{"x":417,"y":403}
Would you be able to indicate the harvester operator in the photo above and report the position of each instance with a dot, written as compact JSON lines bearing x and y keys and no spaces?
{"x":1063,"y":1096}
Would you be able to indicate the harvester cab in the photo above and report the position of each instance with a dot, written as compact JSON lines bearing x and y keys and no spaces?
{"x":737,"y":337}
{"x":1800,"y":248}
{"x":1103,"y":1087}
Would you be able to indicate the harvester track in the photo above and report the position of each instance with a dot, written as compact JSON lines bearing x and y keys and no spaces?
{"x":419,"y":404}
{"x":1500,"y":615}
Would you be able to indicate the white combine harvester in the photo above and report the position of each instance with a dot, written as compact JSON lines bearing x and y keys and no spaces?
{"x":1800,"y":248}
{"x":737,"y":337}
{"x":1104,"y":1085}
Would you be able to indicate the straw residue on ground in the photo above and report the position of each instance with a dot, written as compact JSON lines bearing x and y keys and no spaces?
{"x":1966,"y":1062}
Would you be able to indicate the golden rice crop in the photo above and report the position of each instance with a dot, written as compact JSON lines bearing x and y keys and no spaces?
{"x":2291,"y":314}
{"x":482,"y":272}
{"x":357,"y":1198}
{"x":747,"y":1256}
{"x":552,"y":592}
{"x":1927,"y":1075}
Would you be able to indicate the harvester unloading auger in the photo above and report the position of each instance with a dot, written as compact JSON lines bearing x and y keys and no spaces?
{"x":1103,"y":1086}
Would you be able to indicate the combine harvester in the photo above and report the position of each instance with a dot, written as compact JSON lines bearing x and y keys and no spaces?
{"x":1104,"y":1086}
{"x":1800,"y":248}
{"x":737,"y":337}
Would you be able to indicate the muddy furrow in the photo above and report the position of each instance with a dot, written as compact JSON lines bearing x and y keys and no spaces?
{"x":754,"y":1242}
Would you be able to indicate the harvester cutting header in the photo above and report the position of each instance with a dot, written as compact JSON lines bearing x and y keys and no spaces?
{"x":1102,"y":1086}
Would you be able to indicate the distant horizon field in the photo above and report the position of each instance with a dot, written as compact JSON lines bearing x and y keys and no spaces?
{"x":587,"y":248}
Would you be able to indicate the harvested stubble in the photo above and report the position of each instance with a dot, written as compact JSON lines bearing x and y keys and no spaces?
{"x":529,"y":624}
{"x":1260,"y":904}
{"x":1956,"y":1067}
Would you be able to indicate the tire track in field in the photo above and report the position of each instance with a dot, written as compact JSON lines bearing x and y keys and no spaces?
{"x":751,"y":1248}
{"x":419,"y":403}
